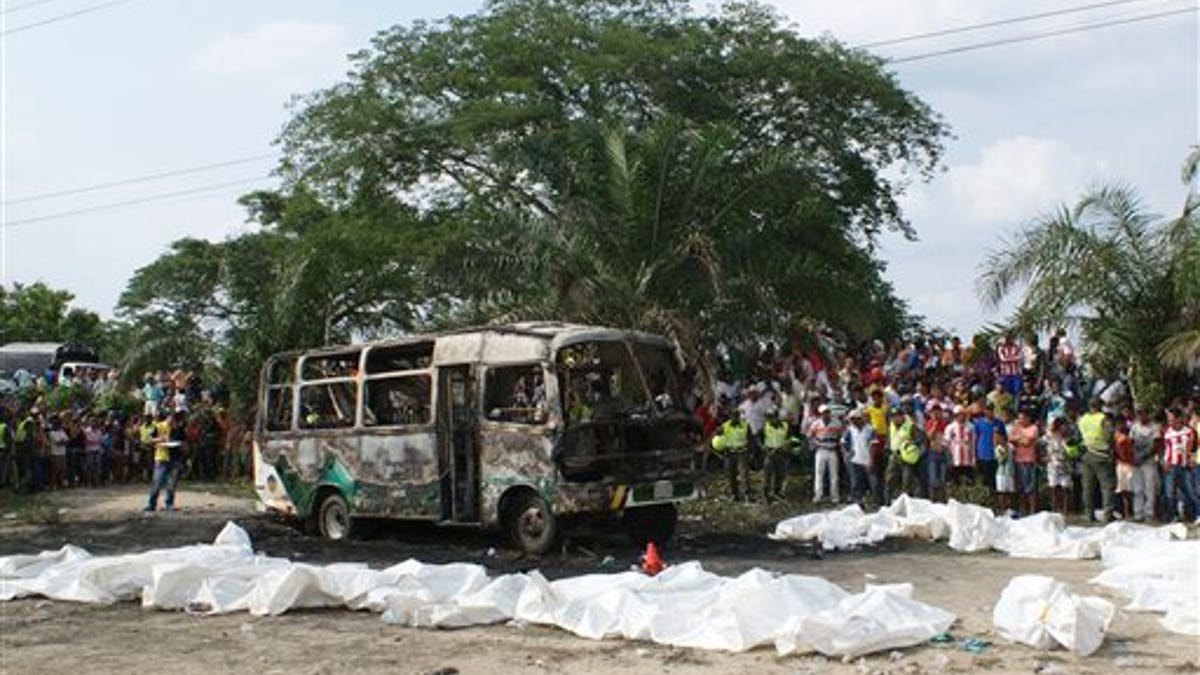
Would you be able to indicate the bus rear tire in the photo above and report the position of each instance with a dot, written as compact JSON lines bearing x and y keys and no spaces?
{"x":531,"y":524}
{"x":333,"y":518}
{"x":655,"y":523}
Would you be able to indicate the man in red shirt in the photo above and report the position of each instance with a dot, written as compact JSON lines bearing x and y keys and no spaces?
{"x":1179,"y":442}
{"x":1009,"y":358}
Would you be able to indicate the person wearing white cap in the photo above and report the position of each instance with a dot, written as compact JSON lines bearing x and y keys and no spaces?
{"x":857,"y":442}
{"x":960,"y":440}
{"x":825,"y":436}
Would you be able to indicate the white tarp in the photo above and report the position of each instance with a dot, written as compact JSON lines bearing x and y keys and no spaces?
{"x":967,"y":528}
{"x":684,"y":606}
{"x":1156,"y":576}
{"x":1150,"y":565}
{"x":1041,"y":612}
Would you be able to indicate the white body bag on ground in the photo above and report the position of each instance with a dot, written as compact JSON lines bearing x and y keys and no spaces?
{"x":1153,"y":566}
{"x":683,"y":606}
{"x":1041,"y":612}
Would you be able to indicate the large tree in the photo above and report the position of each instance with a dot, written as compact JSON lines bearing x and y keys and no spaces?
{"x":618,"y":155}
{"x":624,"y":162}
{"x":38,"y":313}
{"x":1125,"y":276}
{"x":308,"y":276}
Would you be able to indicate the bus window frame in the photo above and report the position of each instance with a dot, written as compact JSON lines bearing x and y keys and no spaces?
{"x":482,"y":395}
{"x":427,"y":373}
{"x":300,"y":383}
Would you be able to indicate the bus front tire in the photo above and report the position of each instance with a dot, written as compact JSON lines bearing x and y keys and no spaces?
{"x":655,"y":523}
{"x":531,"y":524}
{"x":333,"y":517}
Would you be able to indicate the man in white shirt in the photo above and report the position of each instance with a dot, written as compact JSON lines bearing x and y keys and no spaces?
{"x":856,"y":443}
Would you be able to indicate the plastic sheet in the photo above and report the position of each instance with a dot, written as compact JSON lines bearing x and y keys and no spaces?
{"x":684,"y":606}
{"x":967,"y":528}
{"x":1157,"y":576}
{"x":1041,"y":612}
{"x":1150,"y":565}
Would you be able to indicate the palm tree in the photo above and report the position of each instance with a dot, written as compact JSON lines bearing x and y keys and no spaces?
{"x":1111,"y":268}
{"x":1182,"y":347}
{"x":670,"y":231}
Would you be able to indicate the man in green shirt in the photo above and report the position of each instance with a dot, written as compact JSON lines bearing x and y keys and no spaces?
{"x":1096,"y":466}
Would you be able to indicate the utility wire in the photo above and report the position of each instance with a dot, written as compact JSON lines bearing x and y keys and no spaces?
{"x":63,"y":17}
{"x":1039,"y":36}
{"x":140,"y":179}
{"x":131,"y":202}
{"x":999,"y":22}
{"x":906,"y":59}
{"x":26,"y":5}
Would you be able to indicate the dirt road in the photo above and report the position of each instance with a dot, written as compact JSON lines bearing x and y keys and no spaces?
{"x":44,"y":637}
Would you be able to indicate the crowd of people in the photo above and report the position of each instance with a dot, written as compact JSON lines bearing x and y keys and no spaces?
{"x":1020,"y":419}
{"x":60,"y":431}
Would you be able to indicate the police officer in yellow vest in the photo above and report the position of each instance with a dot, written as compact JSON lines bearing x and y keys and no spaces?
{"x":904,"y":441}
{"x":733,"y":443}
{"x":1096,"y":466}
{"x":779,"y":451}
{"x":25,"y":442}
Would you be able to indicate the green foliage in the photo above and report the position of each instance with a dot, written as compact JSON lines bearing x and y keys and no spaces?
{"x":311,"y":275}
{"x":624,"y":162}
{"x":38,"y":313}
{"x":1117,"y":272}
{"x":74,"y":397}
{"x":630,"y":163}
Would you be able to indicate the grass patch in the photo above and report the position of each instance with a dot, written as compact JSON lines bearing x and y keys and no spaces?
{"x":35,"y":508}
{"x":239,"y":489}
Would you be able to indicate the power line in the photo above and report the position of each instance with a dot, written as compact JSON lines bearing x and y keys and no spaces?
{"x":1039,"y":36}
{"x":16,"y":8}
{"x":63,"y":17}
{"x":132,"y":202}
{"x":999,"y":22}
{"x":140,"y":179}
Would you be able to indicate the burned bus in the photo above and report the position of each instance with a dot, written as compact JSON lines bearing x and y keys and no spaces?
{"x":522,"y":427}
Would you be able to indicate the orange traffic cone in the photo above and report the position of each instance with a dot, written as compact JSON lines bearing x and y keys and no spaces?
{"x":651,"y":563}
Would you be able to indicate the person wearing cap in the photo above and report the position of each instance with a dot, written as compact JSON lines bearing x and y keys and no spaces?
{"x":959,"y":437}
{"x":1096,"y":428}
{"x":825,"y":435}
{"x":1147,"y":447}
{"x":904,"y":439}
{"x":857,"y":444}
{"x":777,"y":444}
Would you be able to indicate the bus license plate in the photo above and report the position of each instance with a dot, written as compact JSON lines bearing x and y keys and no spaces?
{"x":663,"y":489}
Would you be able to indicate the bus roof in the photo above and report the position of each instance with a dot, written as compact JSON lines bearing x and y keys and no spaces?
{"x":506,"y":343}
{"x":31,"y":348}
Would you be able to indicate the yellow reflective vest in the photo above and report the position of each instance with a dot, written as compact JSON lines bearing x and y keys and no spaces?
{"x":734,"y":437}
{"x":775,"y":436}
{"x":1096,"y":438}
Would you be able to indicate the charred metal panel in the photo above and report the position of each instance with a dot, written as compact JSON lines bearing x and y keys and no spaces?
{"x":465,"y":348}
{"x":386,"y":473}
{"x":400,"y":500}
{"x":502,"y":348}
{"x":510,"y":455}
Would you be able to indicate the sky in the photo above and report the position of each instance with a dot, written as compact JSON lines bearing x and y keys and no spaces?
{"x":130,"y":88}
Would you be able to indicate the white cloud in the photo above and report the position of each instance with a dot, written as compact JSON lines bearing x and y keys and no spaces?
{"x":1019,"y":177}
{"x":965,"y":211}
{"x":278,"y":47}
